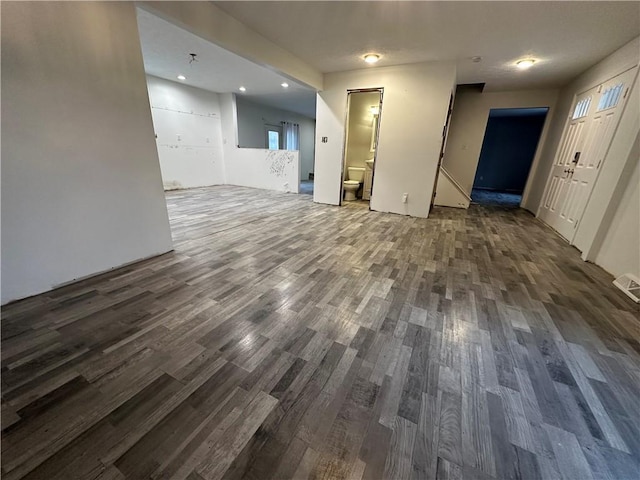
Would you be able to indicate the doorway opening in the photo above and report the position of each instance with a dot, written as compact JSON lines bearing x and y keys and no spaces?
{"x":362,"y":125}
{"x":509,"y":146}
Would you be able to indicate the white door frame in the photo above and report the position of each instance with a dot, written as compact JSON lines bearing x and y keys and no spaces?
{"x":346,"y":138}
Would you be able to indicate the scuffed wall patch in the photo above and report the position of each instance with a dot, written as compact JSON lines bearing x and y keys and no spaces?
{"x":278,"y":161}
{"x":172,"y":185}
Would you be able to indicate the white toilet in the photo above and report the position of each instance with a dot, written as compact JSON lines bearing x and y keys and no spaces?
{"x":355,"y":176}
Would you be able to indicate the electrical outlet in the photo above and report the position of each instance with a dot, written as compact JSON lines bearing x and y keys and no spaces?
{"x":405,"y":197}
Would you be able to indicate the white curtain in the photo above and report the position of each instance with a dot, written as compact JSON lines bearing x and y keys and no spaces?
{"x":291,"y":134}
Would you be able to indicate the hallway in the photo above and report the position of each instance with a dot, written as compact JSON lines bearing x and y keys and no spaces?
{"x":288,"y":339}
{"x":493,"y":198}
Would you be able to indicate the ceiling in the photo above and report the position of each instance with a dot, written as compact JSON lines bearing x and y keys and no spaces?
{"x":166,"y":48}
{"x":566,"y":38}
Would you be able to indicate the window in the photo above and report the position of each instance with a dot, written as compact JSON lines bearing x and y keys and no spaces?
{"x":582,"y":108}
{"x":273,"y":137}
{"x":274,"y":140}
{"x":610,"y":97}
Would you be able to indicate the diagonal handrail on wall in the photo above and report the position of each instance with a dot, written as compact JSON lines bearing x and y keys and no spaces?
{"x":455,"y":183}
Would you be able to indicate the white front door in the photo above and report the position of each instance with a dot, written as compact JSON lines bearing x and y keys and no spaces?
{"x":559,"y":183}
{"x":581,"y":153}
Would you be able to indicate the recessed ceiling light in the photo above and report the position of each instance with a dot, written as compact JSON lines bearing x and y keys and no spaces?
{"x":525,"y":63}
{"x":476,"y":59}
{"x":181,"y":77}
{"x":285,"y":85}
{"x":371,"y":58}
{"x":242,"y":89}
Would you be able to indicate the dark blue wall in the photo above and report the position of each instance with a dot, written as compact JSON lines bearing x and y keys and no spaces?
{"x":508,"y":148}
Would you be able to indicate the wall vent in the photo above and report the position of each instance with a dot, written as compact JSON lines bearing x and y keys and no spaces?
{"x":630,"y":285}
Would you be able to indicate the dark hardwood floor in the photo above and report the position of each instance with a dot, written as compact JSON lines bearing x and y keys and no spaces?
{"x":285,"y":339}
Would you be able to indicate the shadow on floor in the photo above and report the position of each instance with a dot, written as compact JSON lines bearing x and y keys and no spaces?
{"x":359,"y":203}
{"x":306,"y":187}
{"x":491,"y":197}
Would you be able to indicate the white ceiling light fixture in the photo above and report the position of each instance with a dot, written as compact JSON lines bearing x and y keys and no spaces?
{"x":242,"y":89}
{"x":285,"y":85}
{"x":371,"y":57}
{"x":525,"y":63}
{"x":181,"y":77}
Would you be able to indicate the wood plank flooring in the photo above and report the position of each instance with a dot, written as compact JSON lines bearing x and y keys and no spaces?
{"x":285,"y":339}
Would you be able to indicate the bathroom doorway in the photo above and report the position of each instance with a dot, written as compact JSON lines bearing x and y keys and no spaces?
{"x":362,"y":124}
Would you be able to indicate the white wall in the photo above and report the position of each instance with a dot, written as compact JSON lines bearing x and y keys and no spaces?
{"x":252,"y":118}
{"x":449,"y":194}
{"x":189,"y":135}
{"x":81,"y":185}
{"x":229,"y":118}
{"x":469,"y":123}
{"x":250,"y":167}
{"x":277,"y":170}
{"x":416,"y":98}
{"x":620,"y":252}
